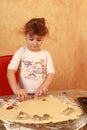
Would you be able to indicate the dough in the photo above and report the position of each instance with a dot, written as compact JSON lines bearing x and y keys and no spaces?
{"x":41,"y":110}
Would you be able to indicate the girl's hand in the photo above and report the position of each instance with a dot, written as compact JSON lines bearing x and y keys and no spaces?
{"x":44,"y":88}
{"x":22,"y":94}
{"x":40,"y":91}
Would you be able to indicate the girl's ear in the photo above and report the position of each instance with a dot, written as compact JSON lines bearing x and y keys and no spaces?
{"x":26,"y":36}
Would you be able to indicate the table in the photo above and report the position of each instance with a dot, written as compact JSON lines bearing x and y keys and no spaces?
{"x":78,"y":124}
{"x":75,"y":93}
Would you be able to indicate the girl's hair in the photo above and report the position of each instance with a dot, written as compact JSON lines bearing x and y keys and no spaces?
{"x":36,"y":26}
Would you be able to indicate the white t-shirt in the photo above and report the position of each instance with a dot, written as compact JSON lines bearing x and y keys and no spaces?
{"x":33,"y":67}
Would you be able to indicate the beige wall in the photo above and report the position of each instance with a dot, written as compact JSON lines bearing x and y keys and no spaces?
{"x":67,"y":22}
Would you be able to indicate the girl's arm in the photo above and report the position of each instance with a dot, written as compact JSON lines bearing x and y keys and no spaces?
{"x":45,"y":85}
{"x":21,"y":93}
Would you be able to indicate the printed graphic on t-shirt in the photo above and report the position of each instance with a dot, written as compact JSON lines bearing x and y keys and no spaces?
{"x":34,"y":70}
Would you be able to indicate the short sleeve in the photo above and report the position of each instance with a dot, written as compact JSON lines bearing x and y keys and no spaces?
{"x":50,"y":65}
{"x":15,"y":61}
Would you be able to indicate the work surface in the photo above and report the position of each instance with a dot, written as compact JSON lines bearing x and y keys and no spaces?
{"x":77,"y":124}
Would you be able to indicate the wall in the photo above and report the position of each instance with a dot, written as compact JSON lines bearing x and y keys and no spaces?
{"x":67,"y":22}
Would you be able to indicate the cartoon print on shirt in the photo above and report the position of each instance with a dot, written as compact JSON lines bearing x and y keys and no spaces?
{"x":34,"y":70}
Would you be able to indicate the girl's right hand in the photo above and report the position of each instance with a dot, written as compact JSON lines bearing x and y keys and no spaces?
{"x":22,"y":94}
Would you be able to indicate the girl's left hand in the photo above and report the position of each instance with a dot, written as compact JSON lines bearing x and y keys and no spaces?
{"x":40,"y":91}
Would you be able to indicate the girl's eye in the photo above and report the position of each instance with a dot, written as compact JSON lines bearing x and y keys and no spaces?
{"x":38,"y":39}
{"x":31,"y":39}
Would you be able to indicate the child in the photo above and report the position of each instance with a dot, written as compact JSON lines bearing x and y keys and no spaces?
{"x":34,"y":64}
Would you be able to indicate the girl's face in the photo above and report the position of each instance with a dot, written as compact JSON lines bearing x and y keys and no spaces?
{"x":34,"y":42}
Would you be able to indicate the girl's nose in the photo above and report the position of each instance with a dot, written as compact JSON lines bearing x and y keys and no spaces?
{"x":35,"y":42}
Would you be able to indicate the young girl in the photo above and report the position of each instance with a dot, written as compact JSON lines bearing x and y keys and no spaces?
{"x":35,"y":66}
